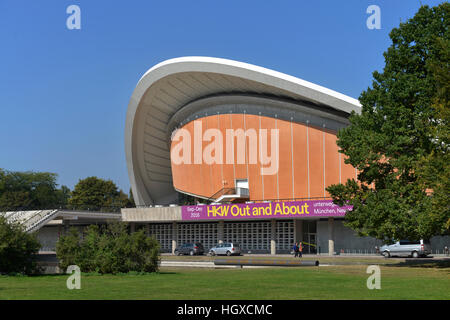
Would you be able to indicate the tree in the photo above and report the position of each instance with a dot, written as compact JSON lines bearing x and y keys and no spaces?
{"x":131,"y":203}
{"x":30,"y":190}
{"x":125,"y":200}
{"x":63,"y":195}
{"x":394,"y":136}
{"x":18,"y":249}
{"x":97,"y":194}
{"x":433,"y":169}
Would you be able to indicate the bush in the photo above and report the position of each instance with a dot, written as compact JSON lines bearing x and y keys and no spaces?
{"x":18,"y":249}
{"x":111,"y":250}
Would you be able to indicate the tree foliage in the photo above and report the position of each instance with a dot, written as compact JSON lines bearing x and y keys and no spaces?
{"x":18,"y":249}
{"x":433,"y":169}
{"x":111,"y":250}
{"x":394,"y":137}
{"x":30,"y":190}
{"x":98,"y":194}
{"x":131,"y":203}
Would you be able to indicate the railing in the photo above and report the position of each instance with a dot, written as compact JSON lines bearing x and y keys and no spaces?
{"x":238,"y":191}
{"x":30,"y":219}
{"x":34,"y":221}
{"x":80,"y":207}
{"x":221,"y":192}
{"x":291,"y":199}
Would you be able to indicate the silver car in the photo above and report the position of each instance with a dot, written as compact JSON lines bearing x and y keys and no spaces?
{"x":225,"y":248}
{"x":419,"y":248}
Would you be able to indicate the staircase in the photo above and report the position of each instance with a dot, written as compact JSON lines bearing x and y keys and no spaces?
{"x":229,"y":194}
{"x":30,"y":220}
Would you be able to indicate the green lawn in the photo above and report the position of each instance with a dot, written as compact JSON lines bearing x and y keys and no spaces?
{"x":333,"y":282}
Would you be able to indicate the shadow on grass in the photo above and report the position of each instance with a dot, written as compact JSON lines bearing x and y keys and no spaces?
{"x":426,"y":263}
{"x":167,"y":272}
{"x":84,"y":274}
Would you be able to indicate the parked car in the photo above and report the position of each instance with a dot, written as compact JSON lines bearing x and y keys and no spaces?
{"x":419,"y":248}
{"x":190,"y":249}
{"x":225,"y":248}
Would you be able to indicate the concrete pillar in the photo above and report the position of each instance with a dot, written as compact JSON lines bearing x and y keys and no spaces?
{"x":330,"y":236}
{"x":132,"y":227}
{"x":298,"y":230}
{"x":147,"y":229}
{"x":220,"y":234}
{"x":273,"y":237}
{"x":66,"y":226}
{"x":174,"y":236}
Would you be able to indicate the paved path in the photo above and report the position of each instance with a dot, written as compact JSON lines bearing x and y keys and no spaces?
{"x":205,"y":264}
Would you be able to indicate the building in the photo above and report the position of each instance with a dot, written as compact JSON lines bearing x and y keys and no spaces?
{"x":258,"y":147}
{"x":181,"y":107}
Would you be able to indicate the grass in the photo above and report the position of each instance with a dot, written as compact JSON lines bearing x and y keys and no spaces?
{"x":332,"y":282}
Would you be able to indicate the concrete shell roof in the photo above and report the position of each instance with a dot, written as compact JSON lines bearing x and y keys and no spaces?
{"x":168,"y":86}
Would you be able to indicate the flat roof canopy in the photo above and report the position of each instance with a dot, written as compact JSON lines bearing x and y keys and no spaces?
{"x":170,"y":85}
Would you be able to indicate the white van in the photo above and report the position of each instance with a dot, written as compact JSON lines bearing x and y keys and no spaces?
{"x":406,"y":248}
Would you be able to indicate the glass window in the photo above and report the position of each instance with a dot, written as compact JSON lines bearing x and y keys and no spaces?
{"x":407,"y":242}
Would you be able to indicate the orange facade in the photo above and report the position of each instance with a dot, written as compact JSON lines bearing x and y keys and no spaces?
{"x":308,"y":162}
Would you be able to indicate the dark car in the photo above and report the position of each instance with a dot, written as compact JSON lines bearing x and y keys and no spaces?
{"x":190,"y":249}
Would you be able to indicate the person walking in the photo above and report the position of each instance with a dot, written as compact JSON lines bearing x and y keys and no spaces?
{"x":295,"y":248}
{"x":300,"y":249}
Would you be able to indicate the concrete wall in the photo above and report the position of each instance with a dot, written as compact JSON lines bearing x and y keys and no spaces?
{"x":153,"y":214}
{"x":48,"y":236}
{"x":438,"y":243}
{"x":347,"y":239}
{"x":344,"y":238}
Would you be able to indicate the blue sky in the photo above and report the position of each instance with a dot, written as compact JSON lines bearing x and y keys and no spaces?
{"x":64,"y":93}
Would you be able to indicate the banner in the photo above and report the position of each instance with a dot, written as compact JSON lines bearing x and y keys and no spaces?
{"x":264,"y":210}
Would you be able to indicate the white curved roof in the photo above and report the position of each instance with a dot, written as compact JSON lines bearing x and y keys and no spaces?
{"x":170,"y":85}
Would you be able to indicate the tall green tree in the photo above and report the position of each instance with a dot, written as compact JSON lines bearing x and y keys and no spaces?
{"x":63,"y":195}
{"x":131,"y":203}
{"x":97,"y":194}
{"x":395,"y":134}
{"x":30,"y":190}
{"x":434,"y":169}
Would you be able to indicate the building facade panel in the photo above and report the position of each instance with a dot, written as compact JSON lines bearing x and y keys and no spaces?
{"x":285,"y":171}
{"x":301,"y":161}
{"x":253,"y":237}
{"x":228,"y":169}
{"x":316,"y":159}
{"x":215,"y":169}
{"x":284,"y":236}
{"x":270,"y":181}
{"x":163,"y":234}
{"x":308,"y":159}
{"x":254,"y":168}
{"x":240,"y":169}
{"x":205,"y":233}
{"x":332,"y":163}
